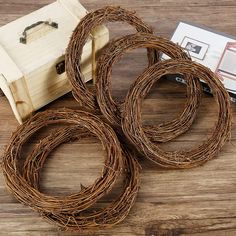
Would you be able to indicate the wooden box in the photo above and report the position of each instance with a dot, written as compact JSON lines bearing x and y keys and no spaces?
{"x":32,"y":48}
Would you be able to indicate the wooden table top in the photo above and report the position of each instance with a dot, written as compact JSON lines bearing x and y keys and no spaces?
{"x":199,"y":201}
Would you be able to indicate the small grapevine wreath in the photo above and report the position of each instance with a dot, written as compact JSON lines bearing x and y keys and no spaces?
{"x":71,"y":221}
{"x":69,"y":213}
{"x":111,"y":110}
{"x":131,"y":117}
{"x":79,"y":37}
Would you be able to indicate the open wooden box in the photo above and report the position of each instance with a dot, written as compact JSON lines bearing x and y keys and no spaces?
{"x":32,"y":48}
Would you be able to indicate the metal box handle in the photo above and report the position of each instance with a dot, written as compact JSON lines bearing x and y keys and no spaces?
{"x":24,"y":37}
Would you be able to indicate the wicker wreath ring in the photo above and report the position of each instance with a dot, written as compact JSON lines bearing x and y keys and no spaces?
{"x":111,"y":110}
{"x":69,"y":212}
{"x":111,"y":215}
{"x":131,"y":117}
{"x":79,"y":37}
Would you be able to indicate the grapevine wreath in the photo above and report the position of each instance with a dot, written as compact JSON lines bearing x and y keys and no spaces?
{"x":131,"y":117}
{"x":69,"y":212}
{"x":79,"y":37}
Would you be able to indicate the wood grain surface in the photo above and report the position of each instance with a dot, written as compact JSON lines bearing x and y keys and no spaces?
{"x":196,"y":202}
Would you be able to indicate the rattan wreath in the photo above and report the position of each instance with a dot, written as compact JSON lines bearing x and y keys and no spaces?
{"x":131,"y":117}
{"x":111,"y":110}
{"x":79,"y":37}
{"x":68,"y":212}
{"x":111,"y":215}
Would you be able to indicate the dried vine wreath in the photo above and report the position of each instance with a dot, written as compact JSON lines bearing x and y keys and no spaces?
{"x":69,"y":212}
{"x":131,"y":117}
{"x":111,"y":215}
{"x":79,"y":38}
{"x":111,"y":110}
